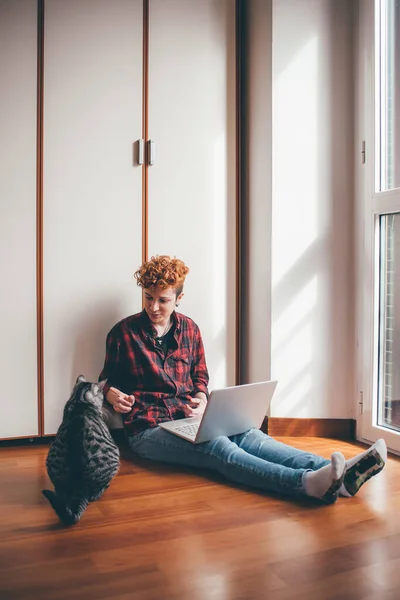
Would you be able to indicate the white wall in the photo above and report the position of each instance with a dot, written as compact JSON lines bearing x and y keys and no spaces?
{"x":312,"y":221}
{"x":18,"y":364}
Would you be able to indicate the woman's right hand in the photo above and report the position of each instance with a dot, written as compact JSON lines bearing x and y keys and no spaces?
{"x":120,"y":402}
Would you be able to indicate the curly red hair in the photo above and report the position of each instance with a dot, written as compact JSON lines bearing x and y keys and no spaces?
{"x":162,"y":271}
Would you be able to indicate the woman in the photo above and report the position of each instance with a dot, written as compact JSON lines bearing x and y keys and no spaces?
{"x":156,"y":371}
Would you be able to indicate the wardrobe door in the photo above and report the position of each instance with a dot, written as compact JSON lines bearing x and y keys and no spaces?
{"x":92,"y":186}
{"x":192,"y":192}
{"x":18,"y":57}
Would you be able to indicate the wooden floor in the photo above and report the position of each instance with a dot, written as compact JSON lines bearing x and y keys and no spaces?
{"x":158,"y":533}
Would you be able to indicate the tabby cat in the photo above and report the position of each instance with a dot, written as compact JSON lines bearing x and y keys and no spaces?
{"x":83,"y":458}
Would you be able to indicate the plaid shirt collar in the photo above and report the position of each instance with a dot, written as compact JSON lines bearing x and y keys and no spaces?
{"x":149,"y":328}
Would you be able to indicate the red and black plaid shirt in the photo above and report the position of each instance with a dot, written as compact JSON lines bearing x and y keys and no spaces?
{"x":162,"y":384}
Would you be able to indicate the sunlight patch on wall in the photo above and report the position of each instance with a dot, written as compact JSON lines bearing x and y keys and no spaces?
{"x":295,"y":314}
{"x":295,"y":160}
{"x":293,"y":349}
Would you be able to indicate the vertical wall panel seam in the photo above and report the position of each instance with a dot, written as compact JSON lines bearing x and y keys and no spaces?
{"x":145,"y":130}
{"x":240,"y":14}
{"x":39,"y":215}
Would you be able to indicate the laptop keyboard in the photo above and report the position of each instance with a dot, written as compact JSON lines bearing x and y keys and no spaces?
{"x":188,"y":429}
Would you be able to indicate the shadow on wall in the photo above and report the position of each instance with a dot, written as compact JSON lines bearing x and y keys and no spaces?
{"x":312,"y":227}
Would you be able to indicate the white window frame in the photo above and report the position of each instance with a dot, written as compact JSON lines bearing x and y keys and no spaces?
{"x":369,"y":206}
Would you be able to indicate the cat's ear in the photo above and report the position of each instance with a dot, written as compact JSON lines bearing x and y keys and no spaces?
{"x":80,"y":379}
{"x":101,"y":384}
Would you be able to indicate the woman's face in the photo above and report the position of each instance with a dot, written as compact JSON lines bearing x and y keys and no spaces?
{"x":159,"y":304}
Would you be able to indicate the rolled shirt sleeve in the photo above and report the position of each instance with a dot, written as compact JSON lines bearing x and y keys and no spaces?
{"x":199,"y":371}
{"x":111,"y":362}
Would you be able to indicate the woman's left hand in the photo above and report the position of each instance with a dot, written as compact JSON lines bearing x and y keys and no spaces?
{"x":196,"y":407}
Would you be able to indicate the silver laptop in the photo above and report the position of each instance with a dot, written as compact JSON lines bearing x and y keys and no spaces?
{"x":229,"y":411}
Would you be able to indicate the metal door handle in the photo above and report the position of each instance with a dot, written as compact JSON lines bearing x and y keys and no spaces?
{"x":152,"y":152}
{"x":140,"y":152}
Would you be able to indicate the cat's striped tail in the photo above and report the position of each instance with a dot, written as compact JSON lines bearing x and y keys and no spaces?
{"x":67,"y":515}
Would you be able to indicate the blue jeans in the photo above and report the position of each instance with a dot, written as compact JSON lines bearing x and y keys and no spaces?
{"x":252,"y":458}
